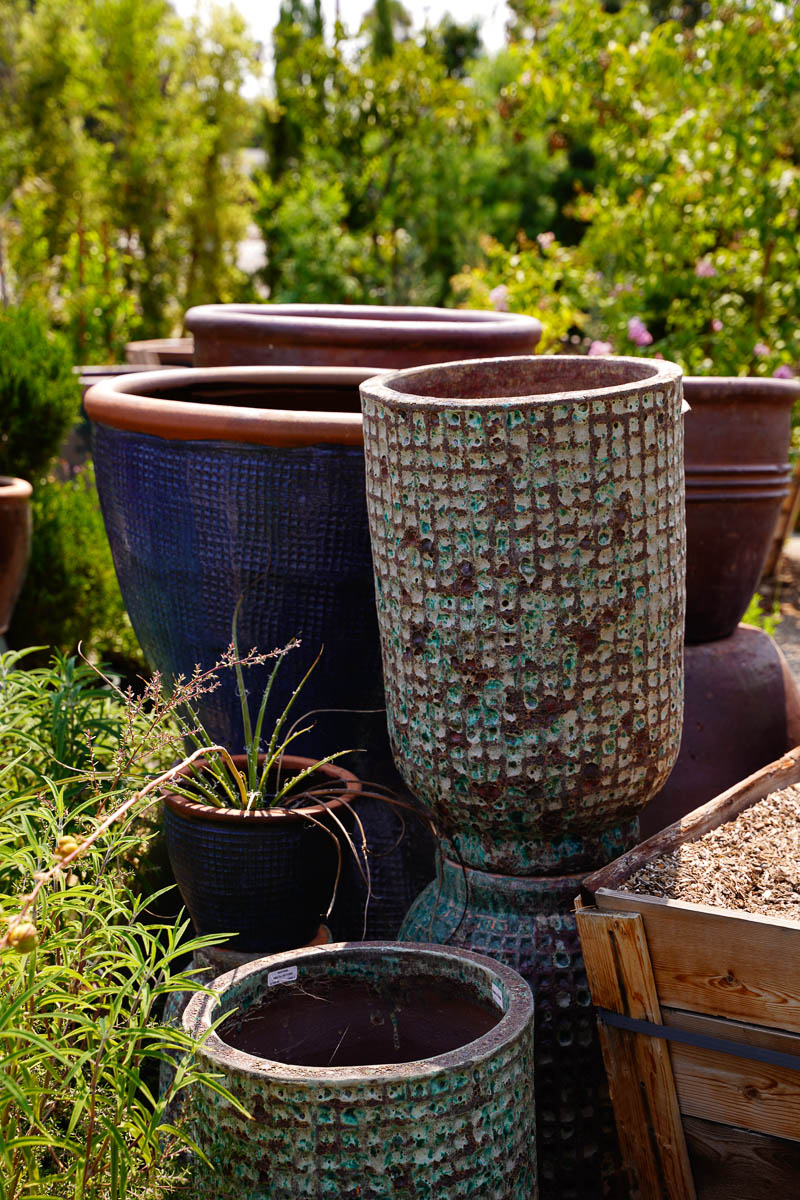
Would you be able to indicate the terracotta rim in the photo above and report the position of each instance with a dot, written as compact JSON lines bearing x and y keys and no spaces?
{"x":200,"y":1013}
{"x":127,"y":403}
{"x":726,"y":389}
{"x":196,"y":811}
{"x":358,"y":324}
{"x":396,"y":388}
{"x":14,"y":489}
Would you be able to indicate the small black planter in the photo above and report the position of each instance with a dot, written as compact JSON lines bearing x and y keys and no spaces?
{"x":265,"y":875}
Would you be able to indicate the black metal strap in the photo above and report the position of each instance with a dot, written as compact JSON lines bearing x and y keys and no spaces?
{"x":687,"y":1037}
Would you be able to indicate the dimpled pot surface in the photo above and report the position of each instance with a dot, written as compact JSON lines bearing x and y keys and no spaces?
{"x":528,"y":540}
{"x":454,"y":1122}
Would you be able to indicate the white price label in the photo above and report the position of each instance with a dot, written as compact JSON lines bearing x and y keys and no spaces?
{"x":497,"y":996}
{"x":284,"y":975}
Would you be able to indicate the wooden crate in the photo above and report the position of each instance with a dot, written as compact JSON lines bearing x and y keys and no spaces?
{"x":696,"y":1119}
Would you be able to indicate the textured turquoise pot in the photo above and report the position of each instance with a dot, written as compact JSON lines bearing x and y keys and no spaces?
{"x":456,"y":1124}
{"x":528,"y":540}
{"x":528,"y":924}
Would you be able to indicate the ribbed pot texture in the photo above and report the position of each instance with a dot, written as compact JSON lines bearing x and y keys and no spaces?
{"x":737,"y":475}
{"x":455,"y":1124}
{"x":353,"y":335}
{"x":527,"y":527}
{"x":15,"y":542}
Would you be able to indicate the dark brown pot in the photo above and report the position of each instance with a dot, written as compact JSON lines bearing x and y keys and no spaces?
{"x":737,"y":475}
{"x":266,"y":875}
{"x":161,"y":352}
{"x":353,"y":335}
{"x":15,"y":543}
{"x":741,"y":711}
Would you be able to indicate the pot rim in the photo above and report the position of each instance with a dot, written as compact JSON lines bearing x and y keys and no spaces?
{"x":126,"y":403}
{"x":199,"y":1014}
{"x":195,"y":810}
{"x":731,"y":389}
{"x":358,"y":324}
{"x":12,"y":488}
{"x":648,"y":373}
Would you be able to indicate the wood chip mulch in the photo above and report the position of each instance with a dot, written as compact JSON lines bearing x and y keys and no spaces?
{"x":751,"y":863}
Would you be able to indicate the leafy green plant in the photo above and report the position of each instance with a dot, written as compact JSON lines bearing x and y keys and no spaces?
{"x":83,"y":971}
{"x":763,"y":617}
{"x":71,"y":592}
{"x":39,"y":395}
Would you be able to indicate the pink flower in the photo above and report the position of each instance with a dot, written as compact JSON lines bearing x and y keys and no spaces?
{"x":716,"y":324}
{"x":600,"y":349}
{"x":545,"y":239}
{"x":499,"y":297}
{"x":638,"y":332}
{"x":704,"y":269}
{"x":783,"y":372}
{"x":760,"y":350}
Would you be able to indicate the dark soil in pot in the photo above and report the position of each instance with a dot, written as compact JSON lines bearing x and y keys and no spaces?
{"x":351,"y":1023}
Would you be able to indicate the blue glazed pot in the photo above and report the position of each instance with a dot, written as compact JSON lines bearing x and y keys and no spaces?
{"x":247,"y":483}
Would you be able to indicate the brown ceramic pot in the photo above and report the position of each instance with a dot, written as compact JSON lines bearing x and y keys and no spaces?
{"x":352,"y":335}
{"x":737,"y":475}
{"x":161,"y":352}
{"x":741,"y":711}
{"x":15,"y":543}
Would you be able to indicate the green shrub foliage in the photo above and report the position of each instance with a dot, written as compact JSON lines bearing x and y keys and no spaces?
{"x":39,"y":395}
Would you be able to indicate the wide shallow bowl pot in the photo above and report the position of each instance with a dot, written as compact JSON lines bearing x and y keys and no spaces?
{"x":15,"y":542}
{"x":527,"y":530}
{"x":246,"y":484}
{"x":266,"y":875}
{"x":737,"y":476}
{"x":161,"y":352}
{"x":454,"y":1120}
{"x":353,"y":334}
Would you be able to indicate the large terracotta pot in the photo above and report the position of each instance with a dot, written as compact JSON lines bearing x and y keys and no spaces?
{"x":737,"y":476}
{"x":370,"y":1070}
{"x":351,"y":334}
{"x":741,"y":712}
{"x":527,"y":530}
{"x":15,"y":543}
{"x":246,"y":483}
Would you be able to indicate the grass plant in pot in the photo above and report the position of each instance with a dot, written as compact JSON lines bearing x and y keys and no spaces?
{"x":370,"y":1070}
{"x":255,"y":839}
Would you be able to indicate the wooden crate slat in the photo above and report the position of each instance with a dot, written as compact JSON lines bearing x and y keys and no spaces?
{"x":639,"y":1071}
{"x":714,"y":961}
{"x":737,"y":1091}
{"x":730,"y":1164}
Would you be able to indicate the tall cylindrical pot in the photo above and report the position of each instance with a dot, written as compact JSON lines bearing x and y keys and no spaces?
{"x":433,"y":1098}
{"x":737,"y":477}
{"x":527,"y":527}
{"x":353,"y":334}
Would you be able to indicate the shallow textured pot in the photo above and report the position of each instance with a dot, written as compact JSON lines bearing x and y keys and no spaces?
{"x":246,"y":483}
{"x":741,"y":712}
{"x":737,"y":476}
{"x":352,"y":334}
{"x":161,"y":352}
{"x":527,"y":530}
{"x":528,"y":924}
{"x":452,"y":1124}
{"x":15,"y":542}
{"x":266,"y":875}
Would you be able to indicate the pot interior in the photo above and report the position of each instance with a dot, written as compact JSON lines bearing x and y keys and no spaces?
{"x":534,"y":376}
{"x":337,"y":1021}
{"x":296,"y":397}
